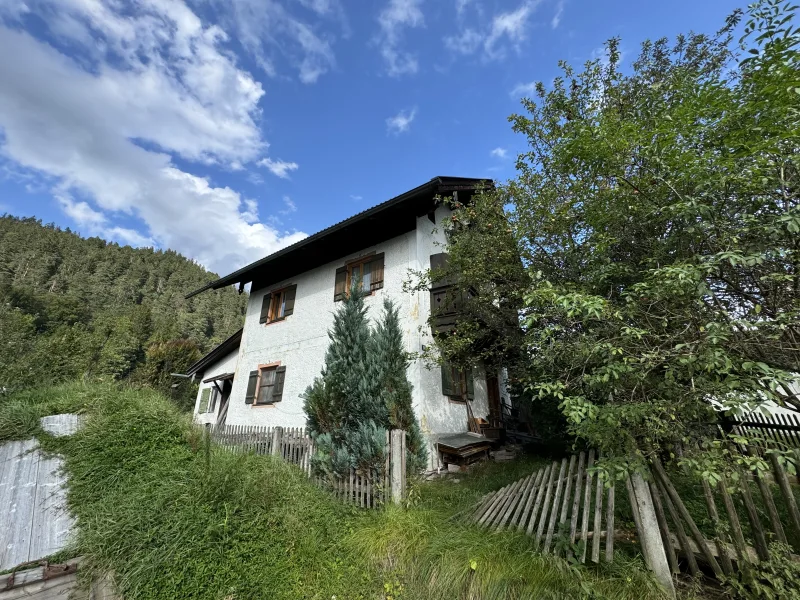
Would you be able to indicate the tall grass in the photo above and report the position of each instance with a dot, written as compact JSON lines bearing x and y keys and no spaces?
{"x":20,"y":412}
{"x":171,"y":516}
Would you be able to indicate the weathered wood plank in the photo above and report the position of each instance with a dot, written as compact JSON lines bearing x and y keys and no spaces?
{"x":527,"y":502}
{"x":598,"y":514}
{"x":567,"y":490}
{"x":719,"y":542}
{"x":576,"y":504}
{"x":587,"y":498}
{"x":672,"y":495}
{"x":609,"y":555}
{"x":554,"y":507}
{"x":663,"y":528}
{"x":733,"y":520}
{"x":786,"y":492}
{"x":547,"y":482}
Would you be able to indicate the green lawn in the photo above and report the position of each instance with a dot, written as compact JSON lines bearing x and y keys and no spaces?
{"x":173,"y":517}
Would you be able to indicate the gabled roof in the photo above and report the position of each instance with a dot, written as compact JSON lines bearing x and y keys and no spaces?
{"x":216,"y":353}
{"x":382,"y":222}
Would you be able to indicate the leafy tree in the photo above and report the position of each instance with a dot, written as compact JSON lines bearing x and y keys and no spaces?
{"x":362,"y":392}
{"x":164,"y":358}
{"x":656,"y":213}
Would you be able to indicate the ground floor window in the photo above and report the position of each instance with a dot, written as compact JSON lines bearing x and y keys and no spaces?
{"x":457,"y":383}
{"x":265,"y":385}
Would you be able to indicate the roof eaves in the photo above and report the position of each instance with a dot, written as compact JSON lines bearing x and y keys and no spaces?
{"x":226,"y":346}
{"x":235,"y":277}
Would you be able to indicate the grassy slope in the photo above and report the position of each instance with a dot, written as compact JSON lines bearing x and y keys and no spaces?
{"x":173,"y":517}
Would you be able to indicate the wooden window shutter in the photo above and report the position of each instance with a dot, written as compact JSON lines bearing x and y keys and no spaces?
{"x":470,"y":384}
{"x":252,"y":384}
{"x":277,"y":389}
{"x":288,"y":301}
{"x":340,"y":286}
{"x":438,"y":261}
{"x":265,"y":308}
{"x":376,"y":266}
{"x":204,"y":400}
{"x":448,"y":385}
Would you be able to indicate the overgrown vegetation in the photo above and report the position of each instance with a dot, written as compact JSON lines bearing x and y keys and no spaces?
{"x":362,"y":393}
{"x":650,"y":240}
{"x":73,"y":308}
{"x":173,"y":517}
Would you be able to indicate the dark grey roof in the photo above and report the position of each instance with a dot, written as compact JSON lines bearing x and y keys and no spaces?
{"x":382,"y":222}
{"x":216,"y":353}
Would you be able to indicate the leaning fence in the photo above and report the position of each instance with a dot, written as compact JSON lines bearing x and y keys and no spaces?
{"x":365,"y":489}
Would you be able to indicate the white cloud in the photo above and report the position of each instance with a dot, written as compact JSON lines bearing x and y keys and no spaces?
{"x":510,"y":25}
{"x":466,"y":41}
{"x":526,"y":90}
{"x":356,"y":198}
{"x":150,"y":83}
{"x":267,"y":30}
{"x":278,"y":167}
{"x":393,"y":19}
{"x":290,"y":206}
{"x":499,"y":152}
{"x":461,"y":6}
{"x":401,"y":122}
{"x":504,"y":29}
{"x":556,"y":21}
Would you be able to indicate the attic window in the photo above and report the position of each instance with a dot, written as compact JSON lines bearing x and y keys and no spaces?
{"x":278,"y":305}
{"x":369,"y":269}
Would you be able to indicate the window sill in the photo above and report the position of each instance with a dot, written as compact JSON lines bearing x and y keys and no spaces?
{"x":458,"y":400}
{"x":268,"y":323}
{"x":372,"y":293}
{"x":272,"y":405}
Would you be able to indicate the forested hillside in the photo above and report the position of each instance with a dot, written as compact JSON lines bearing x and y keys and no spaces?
{"x":86,"y":308}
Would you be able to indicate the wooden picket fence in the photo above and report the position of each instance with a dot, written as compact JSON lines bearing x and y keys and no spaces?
{"x":738,"y":538}
{"x":365,"y":490}
{"x":294,"y":445}
{"x":783,"y":430}
{"x":556,"y":504}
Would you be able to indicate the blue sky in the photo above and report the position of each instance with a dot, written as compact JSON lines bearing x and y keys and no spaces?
{"x":226,"y":129}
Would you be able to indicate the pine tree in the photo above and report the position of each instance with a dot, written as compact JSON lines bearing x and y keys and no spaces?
{"x":388,"y":363}
{"x":362,"y":392}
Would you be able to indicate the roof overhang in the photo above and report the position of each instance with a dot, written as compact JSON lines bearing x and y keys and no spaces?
{"x":382,"y":222}
{"x":222,"y":377}
{"x":217,"y":353}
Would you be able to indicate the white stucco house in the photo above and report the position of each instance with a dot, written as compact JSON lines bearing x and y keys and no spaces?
{"x":257,"y":376}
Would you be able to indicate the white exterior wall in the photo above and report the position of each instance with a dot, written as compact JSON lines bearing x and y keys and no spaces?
{"x":224,"y":365}
{"x":299,"y":342}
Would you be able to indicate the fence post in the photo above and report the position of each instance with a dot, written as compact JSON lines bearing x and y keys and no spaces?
{"x":276,"y":441}
{"x":649,"y":533}
{"x":397,"y":464}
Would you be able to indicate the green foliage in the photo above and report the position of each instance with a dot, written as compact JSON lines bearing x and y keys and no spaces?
{"x":656,"y":213}
{"x":774,"y":579}
{"x":72,"y":307}
{"x":362,"y":393}
{"x":164,"y":358}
